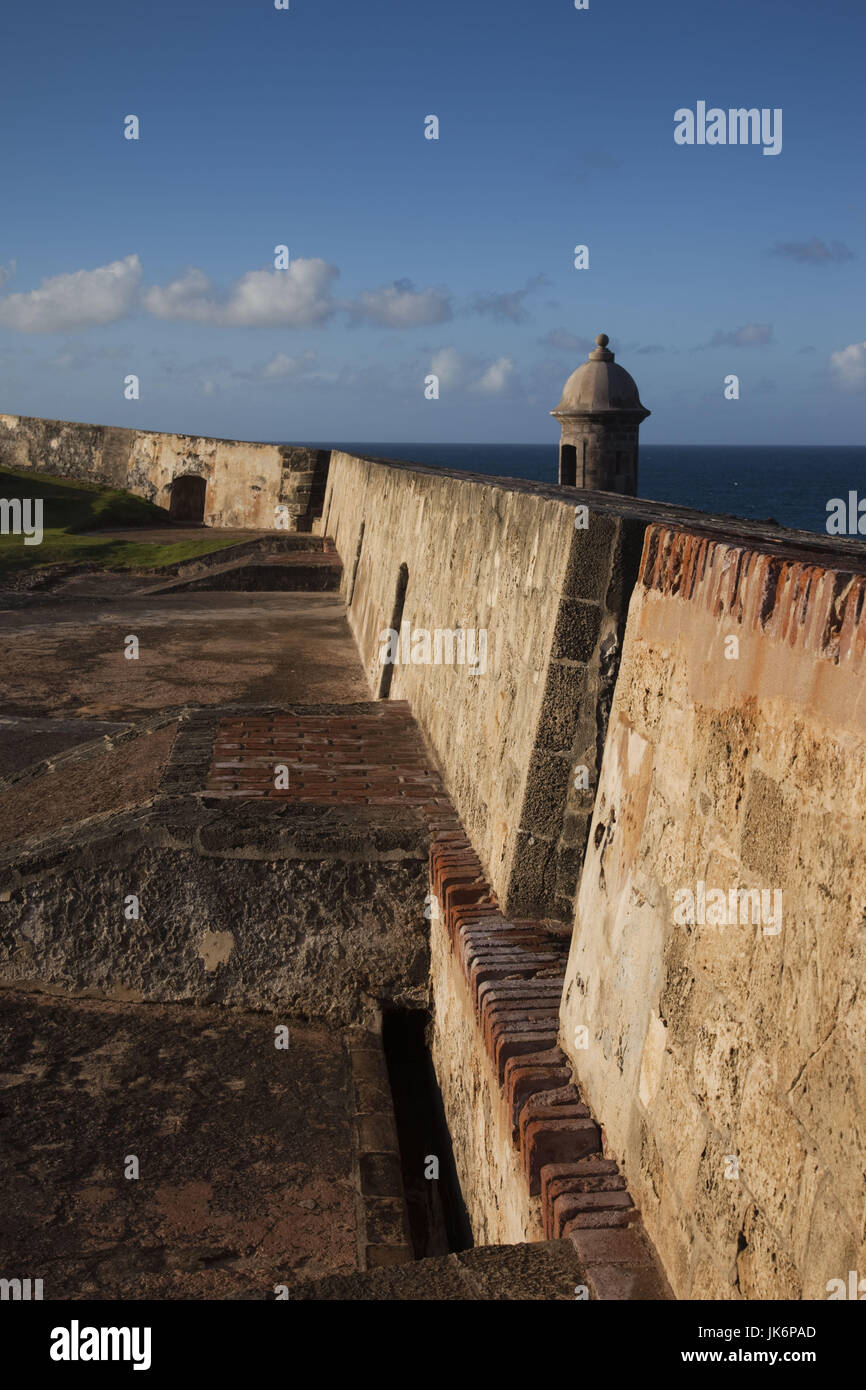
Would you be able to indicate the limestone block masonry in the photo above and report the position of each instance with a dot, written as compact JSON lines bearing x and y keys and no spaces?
{"x":246,"y":483}
{"x":725,"y":1055}
{"x":506,"y":558}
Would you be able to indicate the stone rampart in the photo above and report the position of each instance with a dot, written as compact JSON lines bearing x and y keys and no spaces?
{"x":245,"y":483}
{"x":719,"y":945}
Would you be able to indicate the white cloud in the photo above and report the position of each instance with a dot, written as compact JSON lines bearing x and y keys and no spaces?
{"x":848,"y":367}
{"x":563,"y":341}
{"x":77,"y":300}
{"x":750,"y":335}
{"x":78,"y":356}
{"x":511,"y":305}
{"x":299,"y":297}
{"x":495,"y":381}
{"x":448,"y":365}
{"x":455,"y":370}
{"x":6,"y":272}
{"x":281,"y":367}
{"x":400,"y":305}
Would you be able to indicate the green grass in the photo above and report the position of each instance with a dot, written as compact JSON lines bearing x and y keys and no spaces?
{"x":72,"y":507}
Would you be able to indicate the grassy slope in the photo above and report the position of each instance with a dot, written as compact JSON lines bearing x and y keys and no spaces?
{"x":71,"y":507}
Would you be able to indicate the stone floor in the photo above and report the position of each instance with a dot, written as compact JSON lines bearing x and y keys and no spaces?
{"x":93,"y":777}
{"x":246,"y":1153}
{"x":249,"y":1155}
{"x":538,"y":1272}
{"x":66,"y":658}
{"x":26,"y":741}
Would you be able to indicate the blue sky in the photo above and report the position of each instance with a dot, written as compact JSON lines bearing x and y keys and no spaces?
{"x":409,"y":256}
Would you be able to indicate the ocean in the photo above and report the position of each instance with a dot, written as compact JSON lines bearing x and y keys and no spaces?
{"x":788,"y":484}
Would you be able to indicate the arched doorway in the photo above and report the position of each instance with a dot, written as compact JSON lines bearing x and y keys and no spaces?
{"x":567,"y":465}
{"x":187,"y":499}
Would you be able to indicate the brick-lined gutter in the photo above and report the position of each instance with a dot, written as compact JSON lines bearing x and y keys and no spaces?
{"x":515,"y":973}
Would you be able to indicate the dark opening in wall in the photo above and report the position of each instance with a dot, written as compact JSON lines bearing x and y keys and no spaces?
{"x":351,"y":593}
{"x":568,"y":465}
{"x":438,"y":1222}
{"x":187,"y":499}
{"x":396,"y":620}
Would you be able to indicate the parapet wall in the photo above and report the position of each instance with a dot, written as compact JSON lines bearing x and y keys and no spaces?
{"x":503,"y":559}
{"x":521,"y":742}
{"x":246,"y":483}
{"x":725,"y":1057}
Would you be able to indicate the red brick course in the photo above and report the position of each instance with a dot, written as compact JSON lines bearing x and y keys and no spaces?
{"x":515,"y":972}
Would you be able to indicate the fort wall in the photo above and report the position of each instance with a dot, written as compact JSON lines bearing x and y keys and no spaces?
{"x":725,"y":1059}
{"x":503,"y":558}
{"x":477,"y":558}
{"x":246,"y":483}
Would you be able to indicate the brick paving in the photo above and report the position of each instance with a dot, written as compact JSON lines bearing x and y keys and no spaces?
{"x":354,"y":759}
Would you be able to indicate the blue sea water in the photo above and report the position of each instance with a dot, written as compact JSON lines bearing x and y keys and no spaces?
{"x":789,"y":484}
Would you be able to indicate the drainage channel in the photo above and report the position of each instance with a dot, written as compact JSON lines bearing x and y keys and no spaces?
{"x":438,"y":1221}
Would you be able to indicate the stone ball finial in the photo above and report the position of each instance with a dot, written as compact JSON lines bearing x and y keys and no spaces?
{"x":600,"y":352}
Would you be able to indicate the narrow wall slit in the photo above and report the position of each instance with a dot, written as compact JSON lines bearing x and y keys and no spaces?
{"x":438,"y":1221}
{"x":396,"y":621}
{"x":351,"y":593}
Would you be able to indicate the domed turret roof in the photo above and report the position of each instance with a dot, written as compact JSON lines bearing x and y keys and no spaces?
{"x":599,"y":384}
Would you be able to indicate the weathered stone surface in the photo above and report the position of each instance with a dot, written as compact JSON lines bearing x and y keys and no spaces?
{"x":74,"y":789}
{"x":27,"y":741}
{"x":245,"y":482}
{"x":246,"y":1153}
{"x":725,"y":1057}
{"x":65,"y":657}
{"x":537,"y":1272}
{"x":494,"y":1189}
{"x":326,"y":931}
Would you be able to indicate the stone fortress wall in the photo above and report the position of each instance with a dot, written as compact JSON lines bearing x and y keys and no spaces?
{"x":724,"y":1061}
{"x":245,"y":483}
{"x":502,"y":559}
{"x":727,"y":1056}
